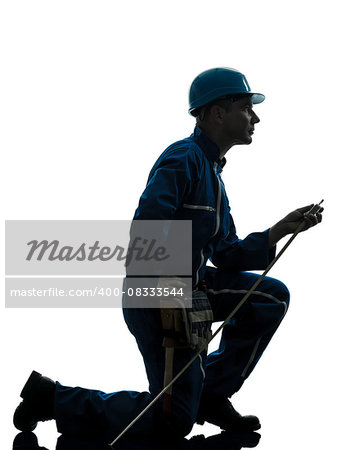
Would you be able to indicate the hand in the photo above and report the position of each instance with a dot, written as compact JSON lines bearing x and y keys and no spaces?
{"x":290,"y":222}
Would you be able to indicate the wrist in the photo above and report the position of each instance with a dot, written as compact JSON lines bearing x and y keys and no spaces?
{"x":276,"y":233}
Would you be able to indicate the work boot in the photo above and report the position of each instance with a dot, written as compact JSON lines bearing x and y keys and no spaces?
{"x":220,"y":412}
{"x":38,"y":402}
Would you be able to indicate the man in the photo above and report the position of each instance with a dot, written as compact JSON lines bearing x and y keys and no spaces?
{"x":186,"y":183}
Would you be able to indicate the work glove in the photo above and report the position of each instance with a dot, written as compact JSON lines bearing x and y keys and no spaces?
{"x":199,"y":318}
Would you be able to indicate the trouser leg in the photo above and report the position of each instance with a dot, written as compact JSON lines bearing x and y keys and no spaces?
{"x":247,"y":335}
{"x":87,"y":411}
{"x":186,"y":391}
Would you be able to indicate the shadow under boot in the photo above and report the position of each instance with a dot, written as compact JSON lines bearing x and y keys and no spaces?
{"x":26,"y":441}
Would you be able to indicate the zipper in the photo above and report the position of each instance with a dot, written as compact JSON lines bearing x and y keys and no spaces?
{"x":200,"y":265}
{"x":205,"y":208}
{"x":218,"y":203}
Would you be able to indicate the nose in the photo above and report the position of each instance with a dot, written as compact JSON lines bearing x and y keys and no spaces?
{"x":255,"y":118}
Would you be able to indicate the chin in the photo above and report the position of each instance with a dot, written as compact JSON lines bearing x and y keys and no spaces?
{"x":248,"y":140}
{"x":244,"y":141}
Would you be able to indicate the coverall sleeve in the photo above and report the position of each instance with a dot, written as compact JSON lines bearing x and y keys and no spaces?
{"x":167,"y":185}
{"x":251,"y":253}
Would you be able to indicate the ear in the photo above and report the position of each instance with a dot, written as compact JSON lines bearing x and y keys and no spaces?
{"x":217,"y":113}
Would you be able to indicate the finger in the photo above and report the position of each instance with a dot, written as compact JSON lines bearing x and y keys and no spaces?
{"x":307,"y":224}
{"x":313,"y":219}
{"x":305,"y":209}
{"x":310,"y":221}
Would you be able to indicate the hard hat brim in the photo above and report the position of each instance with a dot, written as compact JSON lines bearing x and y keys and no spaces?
{"x":257,"y":98}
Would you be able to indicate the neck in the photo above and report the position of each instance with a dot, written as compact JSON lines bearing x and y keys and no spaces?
{"x":222,"y":142}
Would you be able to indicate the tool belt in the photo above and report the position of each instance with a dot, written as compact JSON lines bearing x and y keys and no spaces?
{"x":187,"y":326}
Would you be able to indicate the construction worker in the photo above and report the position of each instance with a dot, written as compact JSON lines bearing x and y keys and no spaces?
{"x":186,"y":183}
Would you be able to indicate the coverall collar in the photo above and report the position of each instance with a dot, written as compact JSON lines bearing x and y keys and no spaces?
{"x":210,"y":149}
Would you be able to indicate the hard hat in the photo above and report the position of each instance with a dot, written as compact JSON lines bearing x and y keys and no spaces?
{"x":215,"y":83}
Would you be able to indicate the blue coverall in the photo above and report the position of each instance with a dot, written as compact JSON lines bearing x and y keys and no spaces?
{"x":185,"y":183}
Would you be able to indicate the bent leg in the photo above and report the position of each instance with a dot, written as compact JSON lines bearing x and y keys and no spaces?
{"x":247,"y":335}
{"x":79,"y":410}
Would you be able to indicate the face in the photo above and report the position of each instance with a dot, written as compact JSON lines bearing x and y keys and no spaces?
{"x":237,"y":123}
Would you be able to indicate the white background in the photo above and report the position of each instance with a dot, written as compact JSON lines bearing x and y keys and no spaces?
{"x":91,"y":93}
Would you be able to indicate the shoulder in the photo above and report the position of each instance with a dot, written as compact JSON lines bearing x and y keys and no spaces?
{"x":182,"y":155}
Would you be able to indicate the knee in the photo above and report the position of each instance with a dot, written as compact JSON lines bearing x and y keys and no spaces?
{"x":280,"y":291}
{"x":275,"y":303}
{"x":284,"y":293}
{"x":182,"y":425}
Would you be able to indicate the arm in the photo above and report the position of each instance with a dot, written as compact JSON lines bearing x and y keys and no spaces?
{"x":251,"y":253}
{"x":257,"y":250}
